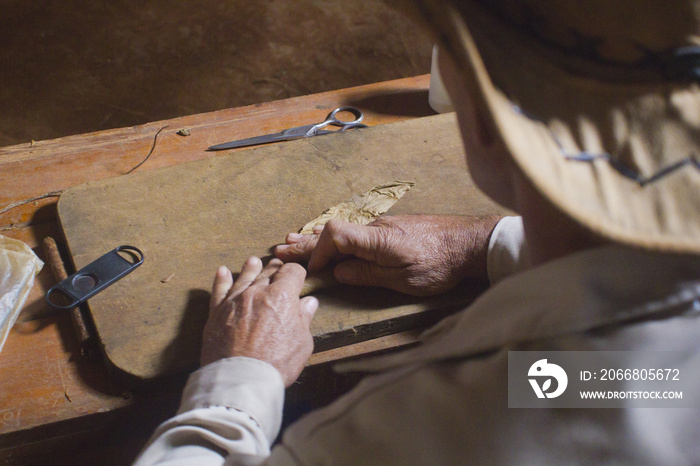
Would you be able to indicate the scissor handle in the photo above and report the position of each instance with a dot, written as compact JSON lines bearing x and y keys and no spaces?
{"x":331,"y":119}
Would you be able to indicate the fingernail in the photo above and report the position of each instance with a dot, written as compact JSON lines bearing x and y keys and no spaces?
{"x":311,"y":304}
{"x":295,"y":236}
{"x":282,"y":247}
{"x":253,"y":261}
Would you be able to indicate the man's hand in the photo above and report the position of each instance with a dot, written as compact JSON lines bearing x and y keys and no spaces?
{"x":419,"y":255}
{"x":260,"y":315}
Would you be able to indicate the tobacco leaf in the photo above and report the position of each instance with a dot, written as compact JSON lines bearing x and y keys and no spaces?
{"x":363,"y":208}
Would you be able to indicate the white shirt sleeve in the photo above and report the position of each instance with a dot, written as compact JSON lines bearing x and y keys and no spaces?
{"x":507,"y":250}
{"x":231,"y":412}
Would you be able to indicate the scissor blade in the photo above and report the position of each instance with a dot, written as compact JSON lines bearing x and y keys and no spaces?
{"x":254,"y":141}
{"x":286,"y":135}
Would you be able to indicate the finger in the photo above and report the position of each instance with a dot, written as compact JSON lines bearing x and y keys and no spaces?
{"x":268,"y":271}
{"x":317,"y":229}
{"x":249,"y":272}
{"x":363,"y":273}
{"x":326,"y":248}
{"x":297,"y":251}
{"x":340,"y":238}
{"x":293,"y":238}
{"x":223,"y":280}
{"x":309,"y":306}
{"x":290,"y":277}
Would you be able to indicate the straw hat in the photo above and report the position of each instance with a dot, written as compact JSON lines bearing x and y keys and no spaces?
{"x":598,"y":102}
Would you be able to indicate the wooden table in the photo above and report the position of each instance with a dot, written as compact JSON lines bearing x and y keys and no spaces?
{"x":57,"y":406}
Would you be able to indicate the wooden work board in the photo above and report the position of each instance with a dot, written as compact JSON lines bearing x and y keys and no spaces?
{"x":190,"y":218}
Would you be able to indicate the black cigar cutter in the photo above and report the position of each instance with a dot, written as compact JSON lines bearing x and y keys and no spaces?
{"x":96,"y":276}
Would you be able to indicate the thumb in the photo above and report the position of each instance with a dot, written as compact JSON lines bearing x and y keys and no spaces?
{"x":363,"y":273}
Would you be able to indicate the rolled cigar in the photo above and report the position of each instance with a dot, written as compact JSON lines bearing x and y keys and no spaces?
{"x":58,"y":270}
{"x":319,"y":281}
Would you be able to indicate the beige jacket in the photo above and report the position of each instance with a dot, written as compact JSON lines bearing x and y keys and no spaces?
{"x":446,"y":401}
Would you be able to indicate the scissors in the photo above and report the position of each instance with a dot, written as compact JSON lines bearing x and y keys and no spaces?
{"x":300,"y":132}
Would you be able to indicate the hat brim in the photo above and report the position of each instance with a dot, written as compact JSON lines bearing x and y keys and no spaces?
{"x":558,"y":127}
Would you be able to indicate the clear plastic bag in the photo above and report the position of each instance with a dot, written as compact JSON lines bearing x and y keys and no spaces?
{"x":18,"y":267}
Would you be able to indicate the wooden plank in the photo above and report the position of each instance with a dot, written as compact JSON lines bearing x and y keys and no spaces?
{"x":193,"y":217}
{"x":376,"y":345}
{"x":31,"y":170}
{"x":42,"y":382}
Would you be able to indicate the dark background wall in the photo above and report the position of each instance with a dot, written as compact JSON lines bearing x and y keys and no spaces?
{"x":75,"y":66}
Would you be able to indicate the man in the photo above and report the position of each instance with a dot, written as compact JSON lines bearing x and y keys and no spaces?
{"x":584,"y":118}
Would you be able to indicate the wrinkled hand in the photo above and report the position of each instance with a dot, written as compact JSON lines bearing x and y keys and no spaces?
{"x":419,"y":255}
{"x":260,"y":315}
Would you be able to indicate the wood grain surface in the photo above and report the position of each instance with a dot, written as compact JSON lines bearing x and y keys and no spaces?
{"x":190,"y":218}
